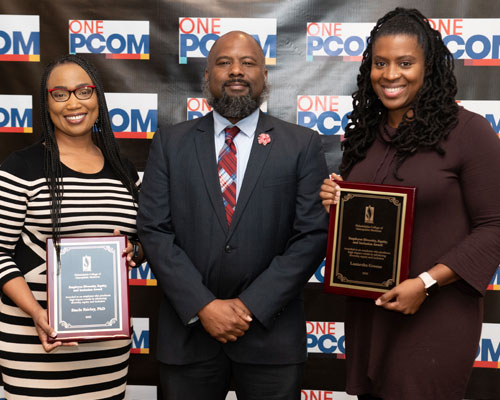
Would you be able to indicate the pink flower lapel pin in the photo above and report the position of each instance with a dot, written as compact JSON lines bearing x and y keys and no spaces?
{"x":264,"y":139}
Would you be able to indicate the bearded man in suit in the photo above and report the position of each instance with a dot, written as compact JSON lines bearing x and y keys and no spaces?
{"x":232,"y":225}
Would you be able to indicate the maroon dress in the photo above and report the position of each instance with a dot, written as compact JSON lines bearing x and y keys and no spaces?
{"x":429,"y":355}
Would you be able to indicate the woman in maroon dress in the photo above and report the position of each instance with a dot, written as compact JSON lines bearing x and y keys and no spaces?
{"x":419,"y":340}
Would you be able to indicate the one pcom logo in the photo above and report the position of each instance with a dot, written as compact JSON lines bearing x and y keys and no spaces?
{"x":325,"y":395}
{"x":133,"y":115}
{"x":319,"y":274}
{"x":115,"y":39}
{"x":495,"y":281}
{"x":16,"y":113}
{"x":197,"y":35}
{"x":488,"y":353}
{"x":474,"y":40}
{"x":198,"y":107}
{"x":327,"y":115}
{"x":140,"y":336}
{"x":142,"y":276}
{"x":19,"y":38}
{"x":489,"y":109}
{"x":342,"y":40}
{"x":326,"y":337}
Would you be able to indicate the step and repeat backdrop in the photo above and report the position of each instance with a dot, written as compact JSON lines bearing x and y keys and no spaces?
{"x":151,"y":55}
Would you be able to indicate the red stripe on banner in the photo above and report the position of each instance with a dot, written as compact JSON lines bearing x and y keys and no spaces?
{"x":131,"y":135}
{"x":353,"y":58}
{"x":138,"y":282}
{"x":142,"y":282}
{"x":482,"y":63}
{"x":12,"y":129}
{"x":485,"y":364}
{"x":14,"y":57}
{"x":123,"y":56}
{"x":139,"y":351}
{"x":341,"y":356}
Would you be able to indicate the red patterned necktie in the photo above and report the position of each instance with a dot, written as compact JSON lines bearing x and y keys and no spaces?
{"x":227,"y":172}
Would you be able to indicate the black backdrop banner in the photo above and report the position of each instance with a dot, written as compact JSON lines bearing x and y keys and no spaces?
{"x":151,"y":55}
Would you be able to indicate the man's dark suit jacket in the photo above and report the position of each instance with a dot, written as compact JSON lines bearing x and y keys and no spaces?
{"x":276,"y":240}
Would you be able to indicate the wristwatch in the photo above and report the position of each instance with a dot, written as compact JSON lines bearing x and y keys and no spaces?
{"x":135,"y":247}
{"x":431,"y":285}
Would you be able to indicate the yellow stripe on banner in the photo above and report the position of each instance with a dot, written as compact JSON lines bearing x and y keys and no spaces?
{"x":144,"y":56}
{"x":28,"y":130}
{"x":149,"y":135}
{"x":495,"y":287}
{"x":151,"y":282}
{"x":144,"y":351}
{"x":270,"y":61}
{"x":34,"y":57}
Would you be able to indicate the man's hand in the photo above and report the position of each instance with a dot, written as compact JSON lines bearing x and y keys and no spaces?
{"x":225,"y":320}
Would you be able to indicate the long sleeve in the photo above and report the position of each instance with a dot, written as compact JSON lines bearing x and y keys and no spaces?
{"x":477,"y":256}
{"x":14,"y":193}
{"x":179,"y":279}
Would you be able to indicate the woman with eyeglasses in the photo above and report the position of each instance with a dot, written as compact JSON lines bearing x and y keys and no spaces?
{"x":73,"y":182}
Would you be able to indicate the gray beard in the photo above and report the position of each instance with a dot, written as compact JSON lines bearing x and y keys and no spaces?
{"x":237,"y":107}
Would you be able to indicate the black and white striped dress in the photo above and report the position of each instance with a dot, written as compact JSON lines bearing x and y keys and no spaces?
{"x":93,"y":204}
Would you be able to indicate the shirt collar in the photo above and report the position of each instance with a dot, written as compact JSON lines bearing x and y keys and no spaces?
{"x":247,"y":125}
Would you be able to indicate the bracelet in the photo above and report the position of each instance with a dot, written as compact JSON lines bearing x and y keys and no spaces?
{"x":431,"y":285}
{"x":135,"y":248}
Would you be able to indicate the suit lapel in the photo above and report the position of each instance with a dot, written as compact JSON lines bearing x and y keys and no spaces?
{"x":256,"y":162}
{"x":205,"y":150}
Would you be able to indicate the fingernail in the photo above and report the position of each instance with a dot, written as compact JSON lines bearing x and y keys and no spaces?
{"x":378,"y":302}
{"x":53,"y":334}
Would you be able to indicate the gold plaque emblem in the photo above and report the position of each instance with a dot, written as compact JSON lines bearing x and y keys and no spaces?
{"x":369,"y":214}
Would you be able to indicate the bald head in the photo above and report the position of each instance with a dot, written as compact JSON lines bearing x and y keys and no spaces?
{"x":234,"y":38}
{"x":236,"y":74}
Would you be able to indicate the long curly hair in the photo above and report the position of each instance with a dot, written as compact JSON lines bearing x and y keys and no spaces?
{"x":103,"y":137}
{"x":433,"y":111}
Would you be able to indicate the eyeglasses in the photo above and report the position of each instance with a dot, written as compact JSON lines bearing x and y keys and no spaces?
{"x":81,"y":93}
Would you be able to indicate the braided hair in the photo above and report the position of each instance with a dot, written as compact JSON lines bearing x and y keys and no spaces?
{"x":433,"y":111}
{"x":102,"y":135}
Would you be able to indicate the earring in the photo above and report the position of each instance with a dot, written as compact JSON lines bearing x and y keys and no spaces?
{"x":96,"y":128}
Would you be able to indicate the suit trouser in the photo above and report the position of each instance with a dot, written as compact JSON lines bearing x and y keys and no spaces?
{"x":209,"y":380}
